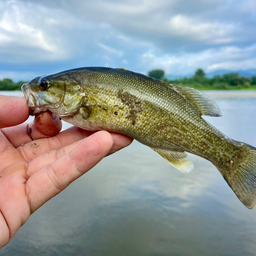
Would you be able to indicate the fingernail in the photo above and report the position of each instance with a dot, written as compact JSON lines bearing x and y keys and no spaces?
{"x":54,"y":117}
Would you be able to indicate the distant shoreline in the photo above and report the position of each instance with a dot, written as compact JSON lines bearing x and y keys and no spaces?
{"x":219,"y":93}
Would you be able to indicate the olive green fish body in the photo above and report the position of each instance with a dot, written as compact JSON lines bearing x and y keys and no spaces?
{"x":165,"y":117}
{"x":155,"y":114}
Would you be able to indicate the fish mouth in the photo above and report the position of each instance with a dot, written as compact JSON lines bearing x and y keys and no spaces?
{"x":32,"y":100}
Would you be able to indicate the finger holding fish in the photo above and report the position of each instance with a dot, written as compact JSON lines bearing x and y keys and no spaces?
{"x":47,"y":155}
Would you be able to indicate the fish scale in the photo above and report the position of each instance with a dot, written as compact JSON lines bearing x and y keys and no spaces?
{"x":165,"y":117}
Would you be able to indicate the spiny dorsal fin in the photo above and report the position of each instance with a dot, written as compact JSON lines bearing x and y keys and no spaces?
{"x":123,"y":69}
{"x":178,"y":159}
{"x":205,"y":104}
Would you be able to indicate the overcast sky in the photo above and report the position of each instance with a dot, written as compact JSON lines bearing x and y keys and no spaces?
{"x":45,"y":36}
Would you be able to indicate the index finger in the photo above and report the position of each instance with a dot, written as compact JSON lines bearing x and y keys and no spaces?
{"x":13,"y":110}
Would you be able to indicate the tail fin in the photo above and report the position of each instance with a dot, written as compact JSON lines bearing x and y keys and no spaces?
{"x":240,"y":174}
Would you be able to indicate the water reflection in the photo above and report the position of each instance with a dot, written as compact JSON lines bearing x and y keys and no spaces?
{"x":135,"y":203}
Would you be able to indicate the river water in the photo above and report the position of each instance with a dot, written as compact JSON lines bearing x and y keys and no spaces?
{"x":135,"y":203}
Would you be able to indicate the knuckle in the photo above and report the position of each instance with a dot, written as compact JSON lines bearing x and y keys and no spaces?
{"x":54,"y":177}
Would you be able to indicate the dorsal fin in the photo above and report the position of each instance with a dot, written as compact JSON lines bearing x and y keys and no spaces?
{"x":205,"y":104}
{"x":123,"y":69}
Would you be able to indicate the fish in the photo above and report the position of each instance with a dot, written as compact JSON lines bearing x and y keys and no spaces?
{"x":166,"y":117}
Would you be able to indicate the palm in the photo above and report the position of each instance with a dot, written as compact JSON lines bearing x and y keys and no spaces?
{"x":35,"y":167}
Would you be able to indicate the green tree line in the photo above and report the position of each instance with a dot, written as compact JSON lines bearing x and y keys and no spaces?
{"x":229,"y":81}
{"x":8,"y":85}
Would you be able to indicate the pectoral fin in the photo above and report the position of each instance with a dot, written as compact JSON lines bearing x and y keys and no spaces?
{"x":178,"y":159}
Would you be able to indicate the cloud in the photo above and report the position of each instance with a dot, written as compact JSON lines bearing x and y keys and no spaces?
{"x":39,"y":37}
{"x":224,"y":58}
{"x":214,"y":33}
{"x":111,"y":50}
{"x":32,"y":33}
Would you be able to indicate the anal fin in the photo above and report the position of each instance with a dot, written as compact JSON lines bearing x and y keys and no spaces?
{"x":178,"y":159}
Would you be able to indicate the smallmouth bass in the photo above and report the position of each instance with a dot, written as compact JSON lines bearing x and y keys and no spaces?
{"x":165,"y":117}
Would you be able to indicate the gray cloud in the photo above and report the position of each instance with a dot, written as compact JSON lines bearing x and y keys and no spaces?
{"x":178,"y":36}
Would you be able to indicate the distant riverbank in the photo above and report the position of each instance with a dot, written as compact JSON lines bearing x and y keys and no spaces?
{"x":231,"y":93}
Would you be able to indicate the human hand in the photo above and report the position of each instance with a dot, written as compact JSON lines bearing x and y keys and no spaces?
{"x":37,"y":162}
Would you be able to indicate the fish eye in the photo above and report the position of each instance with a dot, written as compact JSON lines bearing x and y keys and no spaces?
{"x":44,"y":85}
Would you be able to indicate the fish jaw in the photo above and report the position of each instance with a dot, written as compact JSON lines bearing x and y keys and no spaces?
{"x":33,"y":100}
{"x":58,"y":98}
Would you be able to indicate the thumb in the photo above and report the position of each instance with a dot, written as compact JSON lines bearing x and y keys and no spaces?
{"x":45,"y":124}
